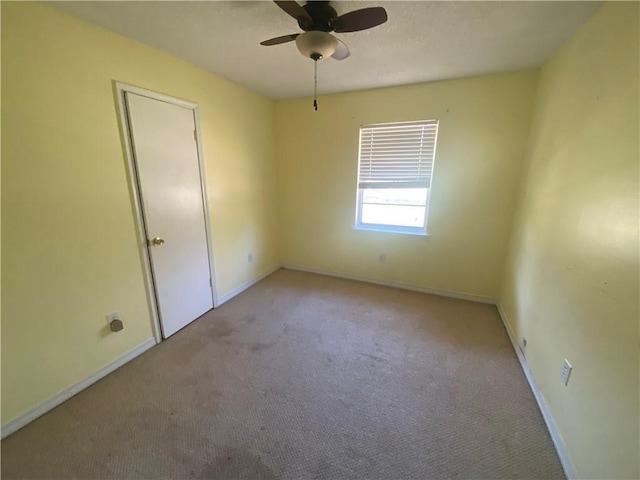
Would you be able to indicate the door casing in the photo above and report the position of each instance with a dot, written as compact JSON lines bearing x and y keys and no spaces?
{"x":119,"y":91}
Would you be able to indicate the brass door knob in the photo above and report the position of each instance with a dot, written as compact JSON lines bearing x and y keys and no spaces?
{"x":157,"y":241}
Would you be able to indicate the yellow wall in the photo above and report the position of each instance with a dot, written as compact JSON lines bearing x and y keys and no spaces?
{"x":70,"y":253}
{"x":484,"y":123}
{"x":571,"y":283}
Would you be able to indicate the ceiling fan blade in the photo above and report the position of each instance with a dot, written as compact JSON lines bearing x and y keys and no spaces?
{"x":360,"y":19}
{"x":294,"y":9}
{"x":279,"y":40}
{"x":342,"y":51}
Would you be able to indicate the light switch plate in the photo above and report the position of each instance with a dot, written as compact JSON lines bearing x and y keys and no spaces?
{"x":566,"y":371}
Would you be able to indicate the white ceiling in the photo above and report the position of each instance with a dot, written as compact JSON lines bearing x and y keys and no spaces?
{"x":422,"y":41}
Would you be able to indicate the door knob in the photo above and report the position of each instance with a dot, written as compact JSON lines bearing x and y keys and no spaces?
{"x":157,"y":241}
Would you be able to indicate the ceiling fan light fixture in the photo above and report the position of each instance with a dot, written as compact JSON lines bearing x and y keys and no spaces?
{"x":316,"y":44}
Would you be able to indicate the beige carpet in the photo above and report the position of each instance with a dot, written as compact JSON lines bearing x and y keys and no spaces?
{"x":305,"y":377}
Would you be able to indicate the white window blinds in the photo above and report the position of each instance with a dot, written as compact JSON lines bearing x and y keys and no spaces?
{"x":397,"y":155}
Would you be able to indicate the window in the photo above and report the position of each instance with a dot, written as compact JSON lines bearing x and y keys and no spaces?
{"x":394,"y":176}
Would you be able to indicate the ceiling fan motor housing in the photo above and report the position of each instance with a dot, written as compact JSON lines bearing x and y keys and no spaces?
{"x":322,"y":15}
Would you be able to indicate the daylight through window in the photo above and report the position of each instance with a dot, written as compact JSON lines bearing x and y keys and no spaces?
{"x":394,"y":176}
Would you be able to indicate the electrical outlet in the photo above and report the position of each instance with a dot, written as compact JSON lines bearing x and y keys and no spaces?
{"x":566,"y":371}
{"x":250,"y":258}
{"x":382,"y":257}
{"x":112,"y":316}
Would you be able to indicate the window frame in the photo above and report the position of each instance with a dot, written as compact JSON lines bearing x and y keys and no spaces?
{"x":402,"y":229}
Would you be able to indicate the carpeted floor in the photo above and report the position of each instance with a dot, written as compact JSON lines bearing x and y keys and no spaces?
{"x":305,"y":377}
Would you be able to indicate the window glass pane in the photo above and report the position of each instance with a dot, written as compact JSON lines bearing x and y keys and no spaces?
{"x":395,"y":196}
{"x":398,"y":215}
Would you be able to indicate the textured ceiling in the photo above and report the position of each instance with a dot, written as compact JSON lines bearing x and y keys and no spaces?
{"x":422,"y":41}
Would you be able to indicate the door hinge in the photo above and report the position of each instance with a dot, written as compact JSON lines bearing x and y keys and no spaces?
{"x":211,"y":282}
{"x":195,"y":135}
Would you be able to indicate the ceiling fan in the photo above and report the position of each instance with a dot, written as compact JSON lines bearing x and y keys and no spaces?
{"x":317,"y":19}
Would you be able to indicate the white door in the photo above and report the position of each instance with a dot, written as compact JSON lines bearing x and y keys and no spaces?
{"x":166,"y":159}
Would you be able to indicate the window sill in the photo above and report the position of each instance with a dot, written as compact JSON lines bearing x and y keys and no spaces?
{"x":389,"y":230}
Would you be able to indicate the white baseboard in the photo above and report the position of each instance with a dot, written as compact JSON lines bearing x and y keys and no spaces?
{"x":561,"y":448}
{"x":392,"y":283}
{"x":237,"y":291}
{"x":67,"y":393}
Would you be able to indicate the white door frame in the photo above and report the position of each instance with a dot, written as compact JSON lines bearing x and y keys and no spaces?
{"x":120,"y":90}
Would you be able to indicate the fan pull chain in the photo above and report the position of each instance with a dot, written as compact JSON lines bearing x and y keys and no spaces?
{"x":315,"y":84}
